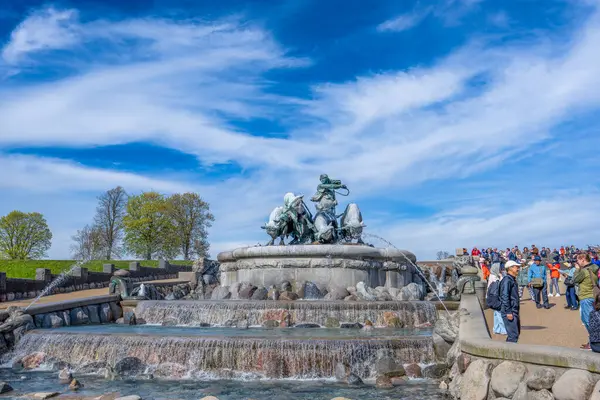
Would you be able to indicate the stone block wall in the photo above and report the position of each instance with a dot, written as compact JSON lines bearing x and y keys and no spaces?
{"x":81,"y":279}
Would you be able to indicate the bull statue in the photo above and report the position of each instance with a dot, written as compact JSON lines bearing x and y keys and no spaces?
{"x":274,"y":227}
{"x":352,"y":224}
{"x":326,"y":228}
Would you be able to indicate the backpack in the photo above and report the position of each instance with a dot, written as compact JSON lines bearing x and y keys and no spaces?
{"x":493,"y":296}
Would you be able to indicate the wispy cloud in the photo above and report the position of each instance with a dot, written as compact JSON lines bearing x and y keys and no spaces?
{"x":403,"y":22}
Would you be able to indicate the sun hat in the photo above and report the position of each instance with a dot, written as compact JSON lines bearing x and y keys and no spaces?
{"x":511,"y":263}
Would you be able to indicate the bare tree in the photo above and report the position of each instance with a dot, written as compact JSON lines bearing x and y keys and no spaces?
{"x":191,"y":216}
{"x":87,"y":244}
{"x":442,"y":255}
{"x":109,"y":221}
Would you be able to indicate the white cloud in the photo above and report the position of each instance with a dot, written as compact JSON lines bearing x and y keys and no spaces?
{"x":48,"y":29}
{"x":403,"y":22}
{"x":44,"y":175}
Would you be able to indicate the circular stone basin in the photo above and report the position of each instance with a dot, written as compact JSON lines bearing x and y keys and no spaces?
{"x":325,"y":265}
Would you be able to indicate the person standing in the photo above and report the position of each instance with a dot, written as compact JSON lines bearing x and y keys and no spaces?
{"x":572,"y":302}
{"x":586,"y":278}
{"x":493,"y":297}
{"x":509,"y":302}
{"x":538,"y":280}
{"x":554,"y":275}
{"x":523,"y":281}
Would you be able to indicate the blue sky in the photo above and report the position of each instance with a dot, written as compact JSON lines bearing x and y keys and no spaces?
{"x":453,"y":122}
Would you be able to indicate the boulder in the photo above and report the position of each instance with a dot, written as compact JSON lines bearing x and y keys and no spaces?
{"x":435,"y":371}
{"x":575,"y":384}
{"x":393,"y":292}
{"x":307,"y":325}
{"x":447,"y":326}
{"x":337,"y":293}
{"x":522,"y":393}
{"x":354,"y":380}
{"x":288,"y":296}
{"x":507,"y":377}
{"x":384,"y":296}
{"x":33,"y":360}
{"x":413,"y":371}
{"x":260,"y":294}
{"x":75,"y":385}
{"x":312,"y":292}
{"x":233,"y":289}
{"x":5,"y":388}
{"x":117,"y":311}
{"x":246,"y":292}
{"x":4,"y":315}
{"x":52,"y":321}
{"x":170,"y":370}
{"x":209,"y":279}
{"x":440,"y":347}
{"x":285,"y":286}
{"x":542,"y":379}
{"x":351,"y":325}
{"x":79,"y":316}
{"x":220,"y":293}
{"x":94,"y":314}
{"x":43,"y":395}
{"x":540,"y":395}
{"x":596,"y":392}
{"x":384,"y":382}
{"x":462,"y":362}
{"x":387,"y":366}
{"x":209,"y":398}
{"x":410,"y":292}
{"x":270,"y":324}
{"x":363,"y":292}
{"x":273,"y":293}
{"x":65,"y":376}
{"x":476,"y":380}
{"x":106,"y":314}
{"x":352,"y":297}
{"x":129,"y":366}
{"x":132,"y":397}
{"x":455,"y":386}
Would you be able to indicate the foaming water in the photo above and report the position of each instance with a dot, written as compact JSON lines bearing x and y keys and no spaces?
{"x":175,"y":357}
{"x":197,"y":313}
{"x":223,"y":389}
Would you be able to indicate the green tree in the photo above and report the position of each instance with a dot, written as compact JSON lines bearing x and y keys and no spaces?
{"x":191,"y":216}
{"x":149,"y":229}
{"x":24,"y":236}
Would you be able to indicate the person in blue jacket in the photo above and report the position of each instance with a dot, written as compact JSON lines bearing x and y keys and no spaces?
{"x":537,"y":270}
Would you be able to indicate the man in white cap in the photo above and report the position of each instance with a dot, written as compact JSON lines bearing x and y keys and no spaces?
{"x":509,"y":302}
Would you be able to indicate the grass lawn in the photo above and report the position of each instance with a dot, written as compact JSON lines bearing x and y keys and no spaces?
{"x":26,"y":268}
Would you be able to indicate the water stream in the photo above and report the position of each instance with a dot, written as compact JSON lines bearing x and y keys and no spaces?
{"x":59,"y":280}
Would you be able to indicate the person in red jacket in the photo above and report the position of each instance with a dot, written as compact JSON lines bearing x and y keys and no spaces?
{"x":554,"y":275}
{"x":475,"y":252}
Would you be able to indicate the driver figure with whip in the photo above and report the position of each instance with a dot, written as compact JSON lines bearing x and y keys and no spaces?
{"x":325,"y":197}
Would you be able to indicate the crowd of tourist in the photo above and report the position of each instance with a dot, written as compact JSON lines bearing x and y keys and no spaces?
{"x":509,"y":273}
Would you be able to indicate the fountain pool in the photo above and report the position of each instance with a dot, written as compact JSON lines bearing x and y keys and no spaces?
{"x":41,"y":381}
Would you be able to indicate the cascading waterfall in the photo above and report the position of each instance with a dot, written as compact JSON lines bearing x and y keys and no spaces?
{"x":220,"y":313}
{"x":225,"y":357}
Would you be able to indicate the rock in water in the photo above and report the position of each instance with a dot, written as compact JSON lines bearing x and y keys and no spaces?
{"x":312,"y":292}
{"x":64,"y":376}
{"x":286,"y":286}
{"x":574,"y":384}
{"x":308,"y":325}
{"x":260,"y":294}
{"x":246,"y":292}
{"x":133,"y":397}
{"x":384,"y":382}
{"x":440,"y":347}
{"x":410,"y":292}
{"x":435,"y":371}
{"x":337,"y":293}
{"x":273,"y":293}
{"x":447,"y":327}
{"x":129,"y":366}
{"x":75,"y":385}
{"x":354,"y":380}
{"x":220,"y":293}
{"x":288,"y":296}
{"x":413,"y":371}
{"x":362,"y":292}
{"x":5,"y":388}
{"x":341,"y":371}
{"x":387,"y":366}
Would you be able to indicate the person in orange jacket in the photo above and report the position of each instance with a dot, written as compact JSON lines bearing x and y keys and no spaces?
{"x":554,"y":275}
{"x":485,"y":270}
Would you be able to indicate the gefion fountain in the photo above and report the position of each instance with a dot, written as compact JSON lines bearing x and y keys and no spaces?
{"x":324,"y":305}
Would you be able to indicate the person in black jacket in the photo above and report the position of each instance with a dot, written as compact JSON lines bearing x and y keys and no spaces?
{"x":509,"y":302}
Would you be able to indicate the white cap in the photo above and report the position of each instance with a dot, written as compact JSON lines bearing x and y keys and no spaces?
{"x":511,"y":263}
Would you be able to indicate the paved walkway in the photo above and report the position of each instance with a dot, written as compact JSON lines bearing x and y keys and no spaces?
{"x":555,"y":327}
{"x":80,"y":294}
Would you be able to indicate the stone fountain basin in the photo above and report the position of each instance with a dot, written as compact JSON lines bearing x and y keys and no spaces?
{"x":325,"y":265}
